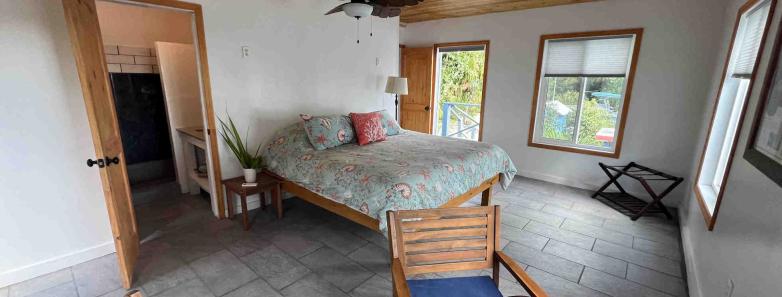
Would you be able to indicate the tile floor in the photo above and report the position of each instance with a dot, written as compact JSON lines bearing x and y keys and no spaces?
{"x":569,"y":243}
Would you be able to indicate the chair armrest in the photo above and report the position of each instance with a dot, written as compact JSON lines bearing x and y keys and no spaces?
{"x":522,"y":277}
{"x":399,"y":279}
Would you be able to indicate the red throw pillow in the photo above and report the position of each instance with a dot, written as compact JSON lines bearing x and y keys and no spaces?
{"x":368,"y":127}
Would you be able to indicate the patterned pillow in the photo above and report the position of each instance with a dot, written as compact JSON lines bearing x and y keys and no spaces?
{"x":369,"y":127}
{"x":389,"y":124}
{"x":328,"y":131}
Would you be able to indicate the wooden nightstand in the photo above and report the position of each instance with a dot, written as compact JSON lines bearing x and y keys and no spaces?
{"x":265,"y":183}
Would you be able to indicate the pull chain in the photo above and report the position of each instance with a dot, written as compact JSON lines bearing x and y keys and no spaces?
{"x":357,"y":27}
{"x":371,"y":26}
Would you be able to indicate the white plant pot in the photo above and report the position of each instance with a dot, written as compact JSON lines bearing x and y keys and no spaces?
{"x":249,"y":175}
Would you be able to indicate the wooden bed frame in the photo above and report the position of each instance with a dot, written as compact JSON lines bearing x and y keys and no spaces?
{"x":370,"y":222}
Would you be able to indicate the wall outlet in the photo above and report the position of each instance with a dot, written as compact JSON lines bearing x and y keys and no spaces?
{"x":245,"y":51}
{"x":377,"y":61}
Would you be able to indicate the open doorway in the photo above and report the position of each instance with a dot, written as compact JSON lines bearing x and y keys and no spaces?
{"x":153,"y":72}
{"x":459,"y":89}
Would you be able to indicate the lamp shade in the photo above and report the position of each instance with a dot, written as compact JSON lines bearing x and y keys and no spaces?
{"x":357,"y":10}
{"x":396,"y":85}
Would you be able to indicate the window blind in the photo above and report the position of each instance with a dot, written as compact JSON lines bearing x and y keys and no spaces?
{"x":752,"y":27}
{"x":588,"y":57}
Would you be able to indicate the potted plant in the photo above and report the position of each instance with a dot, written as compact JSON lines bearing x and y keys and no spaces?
{"x":250,"y":162}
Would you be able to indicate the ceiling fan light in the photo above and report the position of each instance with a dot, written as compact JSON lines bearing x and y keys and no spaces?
{"x":357,"y":10}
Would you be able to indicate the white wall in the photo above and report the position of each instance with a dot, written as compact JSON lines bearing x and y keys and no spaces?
{"x":300,"y":62}
{"x":52,"y":210}
{"x":668,"y":96}
{"x":746,"y":244}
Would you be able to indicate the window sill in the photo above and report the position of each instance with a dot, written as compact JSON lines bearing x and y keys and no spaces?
{"x":708,"y":202}
{"x":584,"y":151}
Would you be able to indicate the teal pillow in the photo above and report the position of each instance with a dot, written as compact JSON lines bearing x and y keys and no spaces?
{"x":328,"y":131}
{"x":388,"y":122}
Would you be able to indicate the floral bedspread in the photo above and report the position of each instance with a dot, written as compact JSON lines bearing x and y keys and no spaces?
{"x":410,"y":170}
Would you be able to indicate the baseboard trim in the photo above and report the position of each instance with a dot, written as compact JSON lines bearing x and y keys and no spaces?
{"x":30,"y":271}
{"x":693,"y":285}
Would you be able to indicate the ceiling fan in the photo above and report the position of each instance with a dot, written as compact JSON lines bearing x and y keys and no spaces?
{"x":379,"y":8}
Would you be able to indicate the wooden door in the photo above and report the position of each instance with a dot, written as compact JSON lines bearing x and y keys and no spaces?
{"x":416,"y":107}
{"x":84,"y":31}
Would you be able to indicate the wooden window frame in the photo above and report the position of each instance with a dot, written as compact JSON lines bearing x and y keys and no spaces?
{"x":638,"y":32}
{"x":711,"y":218}
{"x":485,"y":44}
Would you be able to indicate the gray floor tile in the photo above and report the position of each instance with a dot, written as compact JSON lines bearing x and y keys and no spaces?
{"x":312,"y":285}
{"x":336,"y":268}
{"x":536,"y":215}
{"x":121,"y":292}
{"x":616,"y":287}
{"x":190,"y":246}
{"x":160,"y":272}
{"x":296,"y":244}
{"x":275,"y":266}
{"x":587,"y":258}
{"x":512,"y":220}
{"x":543,"y":261}
{"x":638,"y":257}
{"x":598,"y":209}
{"x":669,"y":251}
{"x":660,"y":281}
{"x":598,"y":232}
{"x":524,"y":200}
{"x":533,"y":185}
{"x":374,"y":287}
{"x":41,"y":283}
{"x":340,"y":240}
{"x":512,"y":288}
{"x":256,"y":288}
{"x":222,"y":272}
{"x":247,"y":245}
{"x":374,"y":258}
{"x":557,"y":286}
{"x":571,"y":214}
{"x":62,"y":290}
{"x":523,"y":237}
{"x":569,"y":237}
{"x":191,"y":288}
{"x":373,"y":237}
{"x":97,"y":277}
{"x":535,"y":198}
{"x":642,"y":231}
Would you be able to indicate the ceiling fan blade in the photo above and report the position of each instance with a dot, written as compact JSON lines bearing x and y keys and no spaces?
{"x":336,"y":9}
{"x":386,"y":11}
{"x":395,"y":3}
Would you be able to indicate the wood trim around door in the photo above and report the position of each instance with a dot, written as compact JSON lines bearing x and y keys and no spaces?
{"x":638,"y":33}
{"x":485,"y":44}
{"x":711,"y":218}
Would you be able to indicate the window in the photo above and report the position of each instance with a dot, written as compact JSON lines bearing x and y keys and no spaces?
{"x":738,"y":77}
{"x":582,"y":92}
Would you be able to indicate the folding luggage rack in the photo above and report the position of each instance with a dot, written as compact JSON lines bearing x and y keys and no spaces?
{"x":642,"y":174}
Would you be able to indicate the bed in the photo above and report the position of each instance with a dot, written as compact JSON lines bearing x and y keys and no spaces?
{"x":409,"y":170}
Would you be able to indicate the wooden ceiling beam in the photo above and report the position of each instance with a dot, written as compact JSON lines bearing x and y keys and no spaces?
{"x":440,"y":9}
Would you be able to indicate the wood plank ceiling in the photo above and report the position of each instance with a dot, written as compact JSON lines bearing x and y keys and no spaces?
{"x":440,"y":9}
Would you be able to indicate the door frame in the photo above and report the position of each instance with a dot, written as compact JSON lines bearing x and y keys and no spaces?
{"x":485,"y":44}
{"x":86,"y":71}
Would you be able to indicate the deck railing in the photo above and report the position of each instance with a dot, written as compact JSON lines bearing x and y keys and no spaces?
{"x":457,"y":122}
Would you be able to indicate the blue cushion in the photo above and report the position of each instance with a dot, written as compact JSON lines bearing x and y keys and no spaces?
{"x":473,"y":286}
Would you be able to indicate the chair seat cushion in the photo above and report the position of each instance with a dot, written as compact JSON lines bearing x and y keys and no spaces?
{"x":473,"y":286}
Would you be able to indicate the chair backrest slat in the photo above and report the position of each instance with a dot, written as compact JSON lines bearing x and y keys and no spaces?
{"x":444,"y":239}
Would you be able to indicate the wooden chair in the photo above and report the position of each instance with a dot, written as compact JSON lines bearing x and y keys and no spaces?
{"x":450,"y":239}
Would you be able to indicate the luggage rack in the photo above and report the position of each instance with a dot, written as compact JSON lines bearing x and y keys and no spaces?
{"x":642,"y":174}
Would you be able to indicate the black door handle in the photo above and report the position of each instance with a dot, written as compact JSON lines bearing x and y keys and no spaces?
{"x":98,"y":162}
{"x":114,"y":160}
{"x":427,"y":108}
